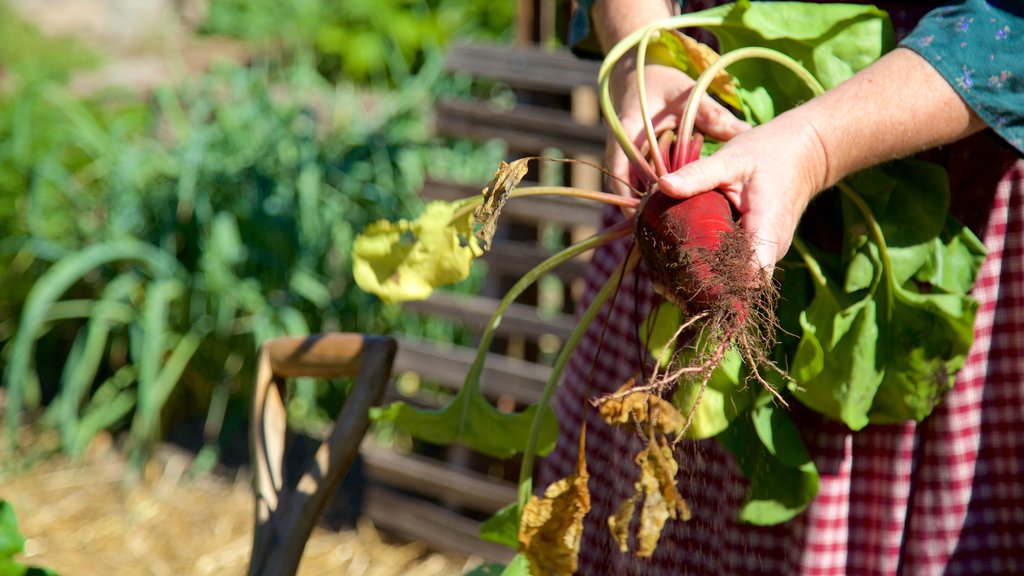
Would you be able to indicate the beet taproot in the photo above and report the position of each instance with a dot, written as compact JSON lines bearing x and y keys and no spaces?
{"x":696,"y":254}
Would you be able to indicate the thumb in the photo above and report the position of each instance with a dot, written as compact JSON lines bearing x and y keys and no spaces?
{"x":694,"y":178}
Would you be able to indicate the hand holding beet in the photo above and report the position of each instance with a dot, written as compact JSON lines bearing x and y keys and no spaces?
{"x":667,"y":91}
{"x":769,"y":174}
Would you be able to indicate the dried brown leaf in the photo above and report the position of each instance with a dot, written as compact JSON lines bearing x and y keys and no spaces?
{"x":551,"y":527}
{"x":661,"y":498}
{"x":496,"y":193}
{"x":638,"y":404}
{"x":618,"y":523}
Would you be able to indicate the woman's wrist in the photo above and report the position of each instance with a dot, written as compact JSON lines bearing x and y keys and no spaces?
{"x":615,"y":19}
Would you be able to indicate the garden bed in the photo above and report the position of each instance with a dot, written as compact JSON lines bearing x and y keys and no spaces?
{"x":88,"y":517}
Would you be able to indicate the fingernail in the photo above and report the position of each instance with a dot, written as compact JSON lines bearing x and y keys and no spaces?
{"x":670,"y":183}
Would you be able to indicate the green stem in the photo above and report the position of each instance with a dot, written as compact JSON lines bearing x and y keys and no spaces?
{"x":616,"y":53}
{"x":641,"y":89}
{"x":620,"y":230}
{"x":705,"y":79}
{"x":609,"y":288}
{"x":876,"y":233}
{"x":472,"y":382}
{"x":469,"y":204}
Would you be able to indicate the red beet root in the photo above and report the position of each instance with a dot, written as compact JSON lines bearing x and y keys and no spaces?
{"x":694,"y":250}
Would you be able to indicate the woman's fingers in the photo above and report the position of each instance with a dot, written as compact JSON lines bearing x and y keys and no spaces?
{"x":717,"y":121}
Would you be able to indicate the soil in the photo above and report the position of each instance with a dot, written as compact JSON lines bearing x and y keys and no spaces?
{"x":94,"y":517}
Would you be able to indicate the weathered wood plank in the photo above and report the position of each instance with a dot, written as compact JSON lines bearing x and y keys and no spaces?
{"x":529,"y":67}
{"x":447,"y":366}
{"x":456,"y":487}
{"x":436,"y":527}
{"x":514,"y":259}
{"x":474,"y":312}
{"x":561,"y":210}
{"x":527,"y":128}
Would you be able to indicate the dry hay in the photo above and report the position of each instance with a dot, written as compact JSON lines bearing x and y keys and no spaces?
{"x":85,"y":518}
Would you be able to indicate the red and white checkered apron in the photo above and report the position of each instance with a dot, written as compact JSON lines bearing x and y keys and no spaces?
{"x":945,"y":496}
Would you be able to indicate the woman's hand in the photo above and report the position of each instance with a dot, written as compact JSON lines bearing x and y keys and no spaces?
{"x":667,"y":90}
{"x":769,"y":173}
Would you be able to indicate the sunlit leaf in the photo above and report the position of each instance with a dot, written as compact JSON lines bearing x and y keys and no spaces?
{"x":771,"y":455}
{"x":406,"y":260}
{"x":471,"y":420}
{"x":496,"y":193}
{"x":631,"y":405}
{"x":552,"y":526}
{"x":661,"y":500}
{"x":695,"y":57}
{"x":519,"y":566}
{"x":619,"y":522}
{"x":11,"y":544}
{"x":724,"y":396}
{"x":503,"y":527}
{"x":833,"y":41}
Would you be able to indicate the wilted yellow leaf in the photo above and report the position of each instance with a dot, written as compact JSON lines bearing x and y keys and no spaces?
{"x":629,"y":404}
{"x":406,"y":260}
{"x":552,"y":526}
{"x":618,"y":523}
{"x":694,"y":57}
{"x":661,"y":498}
{"x":505,"y":180}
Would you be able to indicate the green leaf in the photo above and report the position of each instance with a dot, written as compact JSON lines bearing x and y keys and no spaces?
{"x":12,"y":543}
{"x":11,"y":540}
{"x":778,"y":433}
{"x":931,"y":335}
{"x":471,"y":420}
{"x":503,"y":527}
{"x":909,"y":200}
{"x":406,"y":260}
{"x":783,"y":483}
{"x":723,"y":398}
{"x":835,"y":364}
{"x":954,"y":263}
{"x":832,"y":41}
{"x":44,"y":294}
{"x":517,"y":567}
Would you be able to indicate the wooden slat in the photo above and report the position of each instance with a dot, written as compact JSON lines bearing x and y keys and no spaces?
{"x":528,"y":128}
{"x":447,"y":366}
{"x":436,"y":527}
{"x":529,"y":67}
{"x":456,"y":487}
{"x":562,"y":210}
{"x":475,"y":312}
{"x":515,"y":259}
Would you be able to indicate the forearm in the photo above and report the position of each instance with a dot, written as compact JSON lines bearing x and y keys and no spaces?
{"x":896,"y":107}
{"x":615,"y":19}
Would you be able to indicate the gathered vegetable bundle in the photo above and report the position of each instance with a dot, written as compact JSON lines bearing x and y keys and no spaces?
{"x":866,"y":321}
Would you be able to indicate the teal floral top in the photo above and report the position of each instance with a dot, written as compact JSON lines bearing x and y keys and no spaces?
{"x":977,"y":46}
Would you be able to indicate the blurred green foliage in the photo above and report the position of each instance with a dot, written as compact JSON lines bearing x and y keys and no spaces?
{"x":362,"y":40}
{"x":149,"y":244}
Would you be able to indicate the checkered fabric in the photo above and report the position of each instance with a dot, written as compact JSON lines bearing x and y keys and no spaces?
{"x":945,"y":496}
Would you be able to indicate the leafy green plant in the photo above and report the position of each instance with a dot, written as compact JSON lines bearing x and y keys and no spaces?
{"x":876,"y":317}
{"x":12,"y":543}
{"x":154,"y":246}
{"x":361,"y":40}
